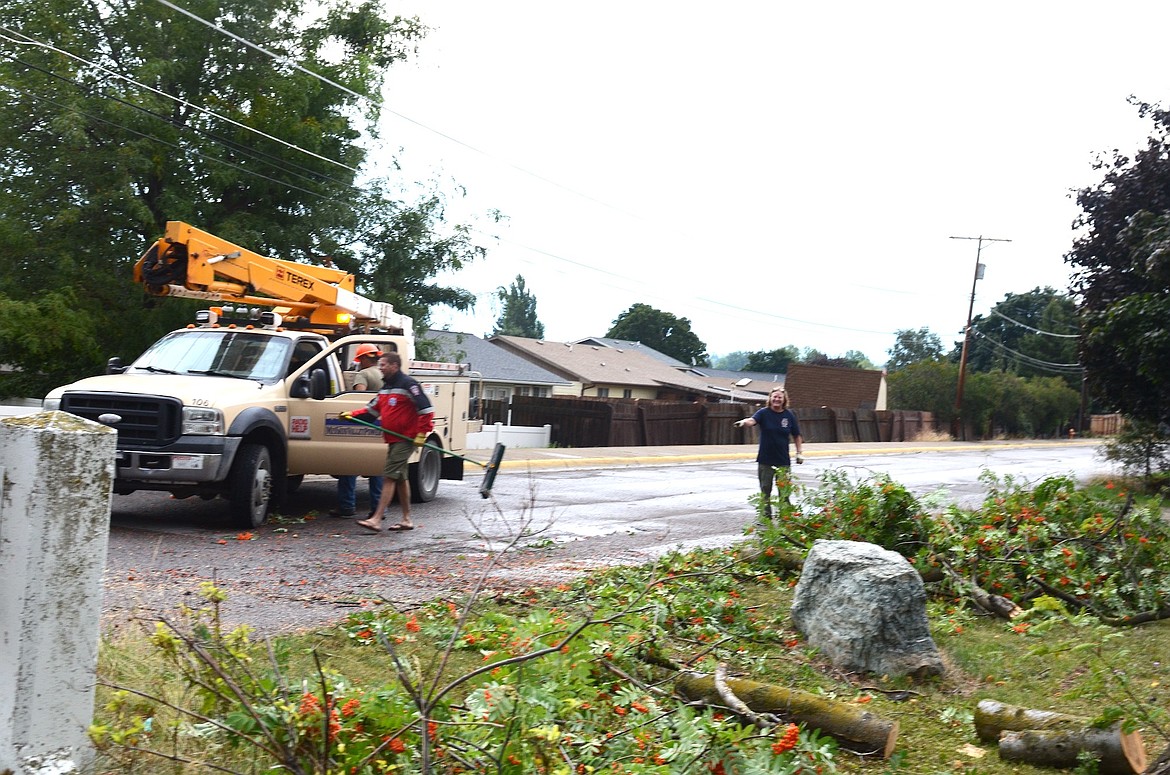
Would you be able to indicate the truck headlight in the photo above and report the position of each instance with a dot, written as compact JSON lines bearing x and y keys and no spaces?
{"x":51,"y":405}
{"x":201,"y":421}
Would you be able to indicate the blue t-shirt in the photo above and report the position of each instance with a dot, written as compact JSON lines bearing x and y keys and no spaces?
{"x":776,"y":429}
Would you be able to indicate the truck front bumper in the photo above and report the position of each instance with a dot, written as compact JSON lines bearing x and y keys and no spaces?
{"x":190,"y":460}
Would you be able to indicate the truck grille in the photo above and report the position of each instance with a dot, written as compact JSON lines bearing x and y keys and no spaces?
{"x":146,"y":420}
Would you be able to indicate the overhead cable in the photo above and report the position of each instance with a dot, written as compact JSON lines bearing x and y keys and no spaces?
{"x":994,"y":311}
{"x":1064,"y":368}
{"x":382,"y":106}
{"x":30,"y":41}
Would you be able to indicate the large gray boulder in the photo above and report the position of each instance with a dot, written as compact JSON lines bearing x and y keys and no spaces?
{"x":864,"y":608}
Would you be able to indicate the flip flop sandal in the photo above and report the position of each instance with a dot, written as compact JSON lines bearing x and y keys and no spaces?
{"x":399,"y":527}
{"x":371,"y":528}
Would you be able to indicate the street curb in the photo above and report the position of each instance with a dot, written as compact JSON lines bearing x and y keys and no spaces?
{"x":566,"y":459}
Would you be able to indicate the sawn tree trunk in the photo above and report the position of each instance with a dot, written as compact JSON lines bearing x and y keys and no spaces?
{"x":852,"y":727}
{"x":1051,"y":739}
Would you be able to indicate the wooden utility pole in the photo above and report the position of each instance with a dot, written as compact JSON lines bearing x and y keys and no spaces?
{"x":957,"y":427}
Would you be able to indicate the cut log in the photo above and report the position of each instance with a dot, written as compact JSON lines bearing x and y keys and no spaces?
{"x":1051,"y":739}
{"x":993,"y":717}
{"x":850,"y":725}
{"x":1119,"y":754}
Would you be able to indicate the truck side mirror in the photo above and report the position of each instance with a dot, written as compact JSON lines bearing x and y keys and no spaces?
{"x":318,"y":384}
{"x":114,"y":366}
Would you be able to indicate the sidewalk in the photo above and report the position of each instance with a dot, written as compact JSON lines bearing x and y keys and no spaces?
{"x":585,"y":457}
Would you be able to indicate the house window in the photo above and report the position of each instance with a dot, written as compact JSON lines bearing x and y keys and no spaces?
{"x":603,"y":392}
{"x":627,"y":393}
{"x":540,"y":392}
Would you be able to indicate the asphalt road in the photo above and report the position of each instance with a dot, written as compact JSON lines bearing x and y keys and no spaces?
{"x":556,"y":512}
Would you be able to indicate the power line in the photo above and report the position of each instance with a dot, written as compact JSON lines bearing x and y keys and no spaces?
{"x":1061,"y":368}
{"x":1030,"y":328}
{"x":257,"y":155}
{"x":30,"y":41}
{"x":382,"y":106}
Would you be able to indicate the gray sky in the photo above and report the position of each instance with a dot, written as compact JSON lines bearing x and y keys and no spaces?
{"x":778,"y":173}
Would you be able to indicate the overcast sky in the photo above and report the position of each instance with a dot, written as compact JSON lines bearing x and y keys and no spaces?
{"x":777,"y":173}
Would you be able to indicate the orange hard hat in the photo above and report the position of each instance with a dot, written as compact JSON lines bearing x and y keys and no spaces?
{"x":366,"y":349}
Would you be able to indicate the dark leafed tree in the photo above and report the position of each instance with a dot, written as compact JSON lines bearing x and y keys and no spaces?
{"x":733,"y":361}
{"x":1032,"y":334}
{"x":120,"y":115}
{"x":775,"y":361}
{"x":853,"y":359}
{"x":914,"y":346}
{"x":1122,"y":276}
{"x":661,"y":331}
{"x":518,"y":316}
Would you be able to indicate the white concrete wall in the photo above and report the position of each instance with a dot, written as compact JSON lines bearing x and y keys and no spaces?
{"x":514,"y":436}
{"x":56,"y":480}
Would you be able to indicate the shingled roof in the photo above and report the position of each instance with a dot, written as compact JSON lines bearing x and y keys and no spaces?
{"x":810,"y":387}
{"x":596,"y":364}
{"x":494,"y":363}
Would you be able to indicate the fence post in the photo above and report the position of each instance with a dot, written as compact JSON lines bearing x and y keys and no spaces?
{"x":57,"y":473}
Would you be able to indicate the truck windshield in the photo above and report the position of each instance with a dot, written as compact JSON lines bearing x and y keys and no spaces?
{"x":221,"y":353}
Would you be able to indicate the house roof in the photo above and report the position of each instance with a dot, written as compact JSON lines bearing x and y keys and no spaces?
{"x":832,"y":386}
{"x":627,"y":344}
{"x":494,"y":363}
{"x":759,"y":381}
{"x":593,"y":364}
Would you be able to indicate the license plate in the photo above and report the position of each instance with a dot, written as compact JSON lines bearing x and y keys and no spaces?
{"x":187,"y":462}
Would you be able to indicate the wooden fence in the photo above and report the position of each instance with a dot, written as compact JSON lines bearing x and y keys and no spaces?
{"x":610,"y":422}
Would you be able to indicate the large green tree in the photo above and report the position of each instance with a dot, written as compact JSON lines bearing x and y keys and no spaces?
{"x":1123,"y":278}
{"x":123,"y":114}
{"x":852,"y":359}
{"x":661,"y":331}
{"x":1032,"y":334}
{"x":775,"y":361}
{"x":518,"y":316}
{"x":914,"y":346}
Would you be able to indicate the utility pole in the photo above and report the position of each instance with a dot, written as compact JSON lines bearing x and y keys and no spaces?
{"x":958,"y":424}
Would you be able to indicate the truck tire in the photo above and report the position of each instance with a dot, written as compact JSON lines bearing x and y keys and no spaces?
{"x":250,"y":486}
{"x":425,"y":475}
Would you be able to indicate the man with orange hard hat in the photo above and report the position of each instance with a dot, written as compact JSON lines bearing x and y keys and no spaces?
{"x":369,"y":377}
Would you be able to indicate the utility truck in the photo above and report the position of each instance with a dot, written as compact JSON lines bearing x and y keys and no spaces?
{"x":245,"y":402}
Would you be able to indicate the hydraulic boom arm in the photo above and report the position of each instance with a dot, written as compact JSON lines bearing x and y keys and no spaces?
{"x":192,"y":263}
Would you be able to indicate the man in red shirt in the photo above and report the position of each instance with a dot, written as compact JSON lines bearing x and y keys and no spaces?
{"x":403,"y":408}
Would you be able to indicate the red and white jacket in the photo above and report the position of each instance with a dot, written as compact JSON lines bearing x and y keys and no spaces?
{"x":402,"y":407}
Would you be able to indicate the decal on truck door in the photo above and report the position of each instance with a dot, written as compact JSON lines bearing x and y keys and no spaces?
{"x":298,"y":428}
{"x":335,"y":426}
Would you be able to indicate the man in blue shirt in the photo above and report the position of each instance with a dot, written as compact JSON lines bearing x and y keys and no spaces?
{"x":777,"y":425}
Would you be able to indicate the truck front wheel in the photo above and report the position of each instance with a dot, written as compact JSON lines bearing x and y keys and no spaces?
{"x":250,"y":485}
{"x":424,"y":476}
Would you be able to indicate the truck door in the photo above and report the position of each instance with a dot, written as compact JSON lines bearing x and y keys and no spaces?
{"x":319,"y":442}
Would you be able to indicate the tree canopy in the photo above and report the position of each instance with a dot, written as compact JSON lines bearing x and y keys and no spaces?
{"x":518,"y":317}
{"x":1030,"y":334}
{"x":914,"y":346}
{"x":1123,"y":277}
{"x":661,"y":331}
{"x":124,"y":114}
{"x":852,"y":359}
{"x":775,"y":361}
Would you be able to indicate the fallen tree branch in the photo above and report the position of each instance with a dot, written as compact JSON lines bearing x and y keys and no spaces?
{"x":996,"y":605}
{"x":735,"y":703}
{"x":853,"y":727}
